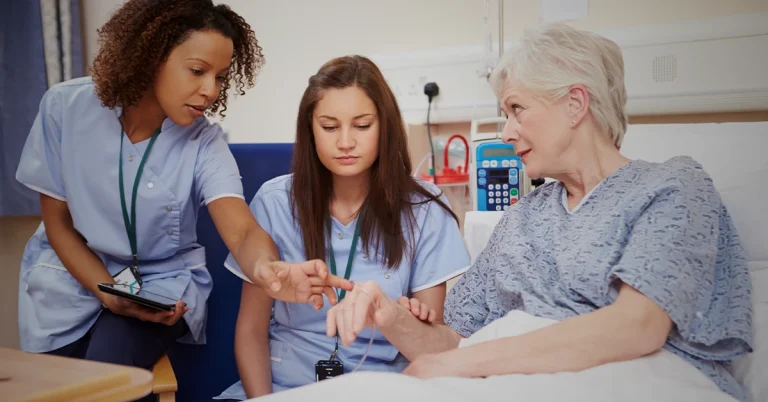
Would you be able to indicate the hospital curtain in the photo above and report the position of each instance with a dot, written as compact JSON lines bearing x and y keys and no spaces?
{"x":40,"y":45}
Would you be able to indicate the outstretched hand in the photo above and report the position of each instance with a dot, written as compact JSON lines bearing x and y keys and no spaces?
{"x":366,"y":305}
{"x":303,"y":282}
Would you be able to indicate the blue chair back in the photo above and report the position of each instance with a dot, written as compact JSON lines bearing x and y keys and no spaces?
{"x":204,"y":371}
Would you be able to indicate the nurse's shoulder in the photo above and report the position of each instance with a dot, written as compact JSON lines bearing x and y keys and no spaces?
{"x":66,"y":102}
{"x":429,"y":214}
{"x":75,"y":95}
{"x":273,"y":196}
{"x":422,"y":204}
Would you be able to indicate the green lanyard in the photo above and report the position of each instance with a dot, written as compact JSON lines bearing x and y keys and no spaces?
{"x":130,"y":223}
{"x":348,"y":272}
{"x":351,"y":254}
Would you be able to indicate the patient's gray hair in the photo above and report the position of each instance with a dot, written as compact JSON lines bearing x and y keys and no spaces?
{"x":552,"y":59}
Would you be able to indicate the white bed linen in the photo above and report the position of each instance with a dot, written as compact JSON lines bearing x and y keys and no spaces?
{"x":659,"y":377}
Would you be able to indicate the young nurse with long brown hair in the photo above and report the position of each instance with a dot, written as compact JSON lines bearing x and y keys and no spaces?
{"x":351,"y":202}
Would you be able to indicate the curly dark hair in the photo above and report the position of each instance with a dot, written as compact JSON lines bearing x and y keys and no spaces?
{"x":140,"y":35}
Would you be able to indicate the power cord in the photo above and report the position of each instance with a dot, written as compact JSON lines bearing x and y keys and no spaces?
{"x":431,"y":90}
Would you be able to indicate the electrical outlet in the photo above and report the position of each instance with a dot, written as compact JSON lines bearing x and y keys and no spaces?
{"x":413,"y":90}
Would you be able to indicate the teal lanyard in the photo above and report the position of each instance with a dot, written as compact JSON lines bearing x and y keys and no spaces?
{"x":348,"y":271}
{"x":130,"y":223}
{"x":351,"y":258}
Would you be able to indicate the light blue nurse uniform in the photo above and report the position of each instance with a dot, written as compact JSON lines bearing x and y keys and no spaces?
{"x":297,"y":338}
{"x":72,"y":155}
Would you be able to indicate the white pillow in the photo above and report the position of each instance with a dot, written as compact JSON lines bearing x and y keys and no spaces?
{"x":745,"y":196}
{"x":733,"y":154}
{"x":751,"y":369}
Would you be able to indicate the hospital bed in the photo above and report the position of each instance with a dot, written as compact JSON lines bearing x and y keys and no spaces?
{"x":204,"y":371}
{"x":739,"y":176}
{"x":734,"y":155}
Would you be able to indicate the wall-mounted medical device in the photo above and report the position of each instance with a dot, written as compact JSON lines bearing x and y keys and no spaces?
{"x":497,"y":176}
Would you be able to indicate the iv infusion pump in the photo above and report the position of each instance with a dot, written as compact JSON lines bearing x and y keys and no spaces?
{"x":497,"y":175}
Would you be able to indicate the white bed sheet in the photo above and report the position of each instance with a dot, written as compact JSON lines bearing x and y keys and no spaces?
{"x":661,"y":377}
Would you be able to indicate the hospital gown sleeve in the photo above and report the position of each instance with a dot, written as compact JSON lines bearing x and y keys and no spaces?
{"x":683,"y":252}
{"x":466,"y":306}
{"x":440,"y":252}
{"x":259,"y":209}
{"x":216,"y":171}
{"x":40,"y":163}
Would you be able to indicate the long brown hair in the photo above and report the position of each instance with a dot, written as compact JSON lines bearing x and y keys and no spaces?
{"x":391,"y":191}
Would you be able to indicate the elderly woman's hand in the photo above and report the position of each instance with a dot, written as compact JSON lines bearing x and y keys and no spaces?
{"x":365,"y":305}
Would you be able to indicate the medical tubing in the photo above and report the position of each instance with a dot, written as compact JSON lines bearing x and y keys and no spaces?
{"x":421,"y":164}
{"x":368,"y":349}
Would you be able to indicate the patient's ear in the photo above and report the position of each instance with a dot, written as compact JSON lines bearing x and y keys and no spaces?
{"x":578,"y":103}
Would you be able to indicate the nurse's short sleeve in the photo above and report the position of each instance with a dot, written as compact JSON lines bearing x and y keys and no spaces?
{"x":684,"y":254}
{"x":217,"y":173}
{"x":440,"y":250}
{"x":260,"y":210}
{"x":40,"y":164}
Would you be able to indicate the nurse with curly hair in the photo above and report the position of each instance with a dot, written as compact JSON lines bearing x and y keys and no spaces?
{"x":123,"y":160}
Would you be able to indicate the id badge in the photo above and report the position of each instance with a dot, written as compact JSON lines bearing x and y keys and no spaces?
{"x":325,"y":369}
{"x":129,"y":277}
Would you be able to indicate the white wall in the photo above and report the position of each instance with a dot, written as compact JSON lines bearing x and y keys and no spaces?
{"x":298,"y":36}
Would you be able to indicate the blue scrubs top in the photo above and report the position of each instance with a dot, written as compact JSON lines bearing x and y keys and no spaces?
{"x":72,"y":155}
{"x":297,"y":338}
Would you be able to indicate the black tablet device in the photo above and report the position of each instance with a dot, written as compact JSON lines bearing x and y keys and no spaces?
{"x":143,"y":297}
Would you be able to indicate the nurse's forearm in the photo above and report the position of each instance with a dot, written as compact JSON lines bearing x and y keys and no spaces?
{"x":250,"y":245}
{"x":412,"y":337}
{"x":256,"y":249}
{"x":71,"y":248}
{"x":253,"y":363}
{"x":252,"y":341}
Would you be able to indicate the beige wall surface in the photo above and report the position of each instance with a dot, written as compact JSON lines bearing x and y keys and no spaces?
{"x":298,"y":36}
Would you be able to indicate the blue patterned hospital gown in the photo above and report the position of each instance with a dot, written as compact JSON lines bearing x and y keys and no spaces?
{"x":659,"y":227}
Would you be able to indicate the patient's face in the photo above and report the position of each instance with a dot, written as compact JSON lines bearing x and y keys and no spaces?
{"x":538,"y":130}
{"x":345,"y":125}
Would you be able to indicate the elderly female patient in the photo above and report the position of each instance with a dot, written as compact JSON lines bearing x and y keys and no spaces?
{"x":628,"y":256}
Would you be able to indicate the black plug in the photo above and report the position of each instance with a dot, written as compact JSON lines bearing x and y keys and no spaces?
{"x":537,"y":182}
{"x":431,"y":90}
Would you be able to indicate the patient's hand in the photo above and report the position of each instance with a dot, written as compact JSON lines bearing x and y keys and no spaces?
{"x":365,"y":305}
{"x":419,"y":309}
